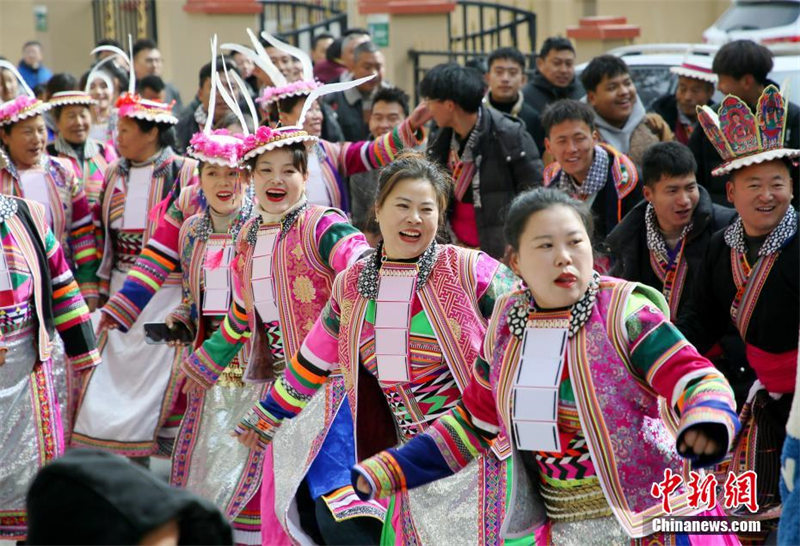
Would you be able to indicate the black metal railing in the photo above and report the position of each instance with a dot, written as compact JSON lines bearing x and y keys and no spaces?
{"x":297,"y":22}
{"x":474,"y":30}
{"x":119,"y":18}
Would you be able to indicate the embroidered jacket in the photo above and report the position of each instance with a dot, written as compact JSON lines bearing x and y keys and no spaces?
{"x":57,"y":301}
{"x":171,"y":174}
{"x":91,"y":170}
{"x":619,"y":362}
{"x":157,"y":262}
{"x":317,"y":245}
{"x":762,"y":300}
{"x":458,"y":298}
{"x":72,"y":217}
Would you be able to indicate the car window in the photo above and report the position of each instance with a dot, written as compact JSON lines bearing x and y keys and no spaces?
{"x":652,"y":82}
{"x":758,"y":15}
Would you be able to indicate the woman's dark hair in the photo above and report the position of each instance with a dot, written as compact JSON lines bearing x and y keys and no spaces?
{"x":532,"y":201}
{"x":166,"y":133}
{"x":413,"y":165}
{"x":284,"y":106}
{"x":299,"y":157}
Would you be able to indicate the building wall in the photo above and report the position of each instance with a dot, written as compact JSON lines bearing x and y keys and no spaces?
{"x":67,"y":41}
{"x":183,"y":37}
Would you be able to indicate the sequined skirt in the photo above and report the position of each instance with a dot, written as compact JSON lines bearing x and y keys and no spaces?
{"x":206,"y":460}
{"x":30,"y":428}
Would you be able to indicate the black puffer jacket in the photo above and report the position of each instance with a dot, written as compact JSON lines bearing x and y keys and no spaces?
{"x":539,"y":92}
{"x":509,"y":164}
{"x":628,"y":244}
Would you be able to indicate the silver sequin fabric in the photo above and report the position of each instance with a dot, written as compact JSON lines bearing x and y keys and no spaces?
{"x":600,"y":531}
{"x":217,"y":464}
{"x":19,"y":458}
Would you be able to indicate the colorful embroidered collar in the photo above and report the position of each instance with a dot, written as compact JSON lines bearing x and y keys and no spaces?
{"x":596,"y":178}
{"x":579,"y":314}
{"x":655,"y":239}
{"x":368,"y":278}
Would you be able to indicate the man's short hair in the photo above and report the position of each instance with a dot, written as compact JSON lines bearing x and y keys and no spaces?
{"x":356,"y":31}
{"x":205,"y":71}
{"x":143,"y":44}
{"x":603,"y":66}
{"x":507,"y":53}
{"x":567,"y":110}
{"x":366,"y":47}
{"x":741,"y":57}
{"x":61,"y":82}
{"x":392,"y":94}
{"x":321,"y":36}
{"x":667,"y":159}
{"x":334,"y":51}
{"x":30,"y":43}
{"x":557,"y":43}
{"x":450,"y":81}
{"x":150,"y":82}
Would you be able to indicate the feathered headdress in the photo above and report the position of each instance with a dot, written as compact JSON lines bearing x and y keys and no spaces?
{"x":281,"y":88}
{"x":130,"y":104}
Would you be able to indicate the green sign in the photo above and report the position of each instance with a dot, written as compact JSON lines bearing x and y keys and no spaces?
{"x":378,"y":26}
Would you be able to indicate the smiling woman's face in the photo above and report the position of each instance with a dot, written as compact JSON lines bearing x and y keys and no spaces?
{"x":279,"y":184}
{"x":554,"y":257}
{"x":408,"y":218}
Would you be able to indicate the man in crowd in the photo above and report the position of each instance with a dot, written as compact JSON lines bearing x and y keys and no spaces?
{"x":663,"y":240}
{"x":490,"y":156}
{"x":319,"y":47}
{"x":505,"y":78}
{"x":152,"y":87}
{"x":554,"y":78}
{"x":353,"y":106}
{"x":619,"y":113}
{"x":353,"y":38}
{"x":695,"y":87}
{"x":750,"y":278}
{"x":30,"y":66}
{"x":195,"y":115}
{"x":389,"y":109}
{"x":586,"y":169}
{"x":742,"y":68}
{"x":147,"y":60}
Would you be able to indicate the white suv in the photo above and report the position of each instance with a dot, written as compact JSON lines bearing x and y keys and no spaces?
{"x":768,"y":22}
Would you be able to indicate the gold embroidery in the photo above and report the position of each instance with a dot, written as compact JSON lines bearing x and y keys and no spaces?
{"x":298,"y":251}
{"x":304,"y":289}
{"x":455,"y":327}
{"x":346,"y":314}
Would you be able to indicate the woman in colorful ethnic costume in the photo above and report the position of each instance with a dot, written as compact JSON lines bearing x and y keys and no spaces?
{"x":751,"y":277}
{"x":40,"y":302}
{"x":287,"y":258}
{"x":329,"y":163}
{"x":401,"y":323}
{"x":33,"y":174}
{"x":128,"y":399}
{"x":88,"y":157}
{"x":571,"y":371}
{"x":204,"y":459}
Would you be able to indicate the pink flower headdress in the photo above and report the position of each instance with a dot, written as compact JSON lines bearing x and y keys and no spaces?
{"x":22,"y":107}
